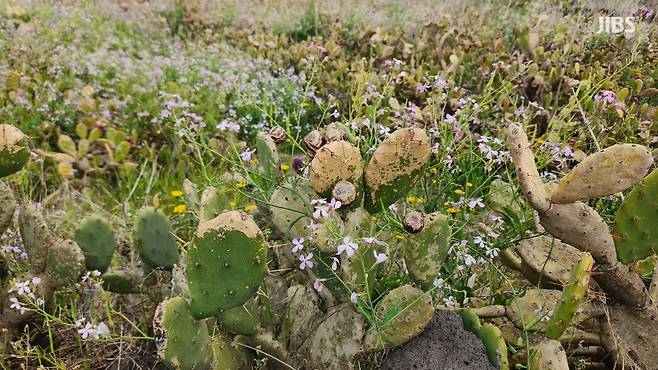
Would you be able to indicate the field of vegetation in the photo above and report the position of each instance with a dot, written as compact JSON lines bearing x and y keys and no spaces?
{"x":302,"y":184}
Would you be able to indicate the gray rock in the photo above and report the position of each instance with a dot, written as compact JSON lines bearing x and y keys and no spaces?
{"x":444,"y":345}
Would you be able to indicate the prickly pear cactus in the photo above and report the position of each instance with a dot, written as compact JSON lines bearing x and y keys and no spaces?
{"x":35,"y":234}
{"x":182,"y":342}
{"x":290,"y":205}
{"x":64,"y":263}
{"x":335,"y":161}
{"x":268,"y":156}
{"x":213,"y":202}
{"x":549,"y":355}
{"x":96,"y":238}
{"x":572,"y":297}
{"x":426,"y":251}
{"x":395,"y":167}
{"x":404,"y":312}
{"x":243,"y":319}
{"x":604,"y":173}
{"x":7,"y":206}
{"x":122,"y":282}
{"x":636,"y":235}
{"x":14,"y":150}
{"x":226,"y":263}
{"x":494,"y":345}
{"x":302,"y":315}
{"x":228,"y":356}
{"x":154,"y":238}
{"x":470,"y":320}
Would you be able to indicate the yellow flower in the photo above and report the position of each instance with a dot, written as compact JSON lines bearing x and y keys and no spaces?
{"x":176,"y":193}
{"x":469,"y":185}
{"x":242,"y":184}
{"x":453,"y":210}
{"x":65,"y":169}
{"x":232,"y":204}
{"x":249,"y":207}
{"x":285,"y":167}
{"x":420,"y":200}
{"x":459,"y":192}
{"x":399,"y":237}
{"x":181,"y":208}
{"x":411,"y":199}
{"x":433,"y":170}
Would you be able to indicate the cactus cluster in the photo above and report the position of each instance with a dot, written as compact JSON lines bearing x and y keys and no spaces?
{"x":564,"y":215}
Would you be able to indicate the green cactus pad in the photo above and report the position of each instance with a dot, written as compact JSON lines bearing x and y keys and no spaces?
{"x":36,"y":236}
{"x":64,"y":264}
{"x":494,"y":345}
{"x":154,"y":239}
{"x":268,"y":156}
{"x":182,"y":342}
{"x":404,"y":312}
{"x":572,"y":297}
{"x":14,"y":150}
{"x":636,"y":234}
{"x":395,"y":167}
{"x":213,"y":203}
{"x":549,"y":355}
{"x":229,"y":356}
{"x":226,"y":264}
{"x":546,"y":261}
{"x":291,"y":207}
{"x":426,"y":251}
{"x":243,"y":319}
{"x":96,"y":238}
{"x":604,"y":173}
{"x":335,"y":161}
{"x":121,"y":282}
{"x":7,"y":206}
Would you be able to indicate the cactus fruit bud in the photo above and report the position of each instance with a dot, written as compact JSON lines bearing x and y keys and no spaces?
{"x":414,"y":222}
{"x":226,"y":263}
{"x":345,"y":192}
{"x":299,"y":162}
{"x":278,"y":134}
{"x":14,"y":150}
{"x":96,"y":238}
{"x":314,"y":140}
{"x":395,"y":167}
{"x":154,"y":238}
{"x":604,"y":173}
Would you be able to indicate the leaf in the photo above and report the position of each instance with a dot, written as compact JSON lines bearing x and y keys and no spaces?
{"x":123,"y":149}
{"x":81,"y":130}
{"x":66,"y":144}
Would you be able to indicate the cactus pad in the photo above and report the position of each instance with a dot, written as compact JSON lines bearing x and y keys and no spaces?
{"x":291,"y":207}
{"x":213,"y":202}
{"x":64,"y":264}
{"x":546,"y":261}
{"x":154,"y":238}
{"x":427,"y":250}
{"x":35,"y":234}
{"x":243,"y":319}
{"x":7,"y":206}
{"x":121,"y":282}
{"x":604,"y":173}
{"x":96,"y":238}
{"x":226,"y":264}
{"x":494,"y":345}
{"x":572,"y":297}
{"x":395,"y":167}
{"x":636,"y":235}
{"x":268,"y":156}
{"x":404,"y":313}
{"x":470,"y":320}
{"x":182,"y":342}
{"x":549,"y":355}
{"x":302,"y":315}
{"x":14,"y":150}
{"x":335,"y":161}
